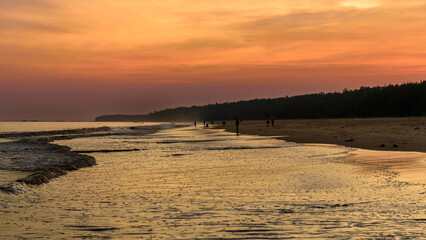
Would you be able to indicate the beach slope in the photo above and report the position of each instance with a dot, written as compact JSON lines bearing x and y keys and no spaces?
{"x":390,"y":134}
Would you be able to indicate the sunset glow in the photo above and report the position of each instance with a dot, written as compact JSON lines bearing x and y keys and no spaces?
{"x":79,"y":59}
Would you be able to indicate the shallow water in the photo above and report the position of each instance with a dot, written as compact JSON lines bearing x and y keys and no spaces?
{"x":189,"y":183}
{"x":10,"y":176}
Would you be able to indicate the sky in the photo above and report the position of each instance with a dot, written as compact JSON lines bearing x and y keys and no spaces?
{"x":78,"y":59}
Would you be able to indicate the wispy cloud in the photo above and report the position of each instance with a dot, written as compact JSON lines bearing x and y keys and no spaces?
{"x":280,"y":42}
{"x":334,"y":25}
{"x":203,"y":43}
{"x":30,"y":26}
{"x":7,"y":5}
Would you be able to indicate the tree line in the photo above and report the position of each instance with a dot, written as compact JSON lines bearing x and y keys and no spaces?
{"x":400,"y":100}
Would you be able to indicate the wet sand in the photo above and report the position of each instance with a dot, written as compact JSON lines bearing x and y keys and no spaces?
{"x":366,"y":136}
{"x":407,"y":134}
{"x":409,"y":166}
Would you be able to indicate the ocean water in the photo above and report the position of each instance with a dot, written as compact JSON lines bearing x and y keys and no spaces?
{"x":195,"y":183}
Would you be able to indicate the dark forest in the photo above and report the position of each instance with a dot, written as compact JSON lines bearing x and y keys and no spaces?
{"x":402,"y":100}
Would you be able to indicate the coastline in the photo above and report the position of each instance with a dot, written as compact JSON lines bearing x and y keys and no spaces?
{"x":409,"y":166}
{"x":31,"y":157}
{"x":408,"y":160}
{"x":38,"y":161}
{"x":229,"y":187}
{"x":386,"y":134}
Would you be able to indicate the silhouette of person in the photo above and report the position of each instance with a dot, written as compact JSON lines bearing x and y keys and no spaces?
{"x":195,"y":124}
{"x":237,"y":124}
{"x":272,"y":120}
{"x":267,"y":121}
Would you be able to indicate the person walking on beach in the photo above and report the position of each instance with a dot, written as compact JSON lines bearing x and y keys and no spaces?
{"x":237,"y":124}
{"x":195,"y":124}
{"x":272,"y":120}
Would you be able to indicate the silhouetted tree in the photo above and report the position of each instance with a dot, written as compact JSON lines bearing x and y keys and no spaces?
{"x":403,"y":100}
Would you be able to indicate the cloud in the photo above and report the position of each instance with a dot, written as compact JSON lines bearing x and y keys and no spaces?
{"x":397,"y":33}
{"x":8,"y":25}
{"x":203,"y":43}
{"x":139,"y":44}
{"x":8,"y":5}
{"x":27,"y":17}
{"x":361,"y":3}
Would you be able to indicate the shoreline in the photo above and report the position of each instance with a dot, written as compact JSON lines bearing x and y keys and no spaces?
{"x":37,"y":159}
{"x":236,"y":187}
{"x":408,"y":159}
{"x":410,"y":166}
{"x":385,"y":134}
{"x":47,"y":161}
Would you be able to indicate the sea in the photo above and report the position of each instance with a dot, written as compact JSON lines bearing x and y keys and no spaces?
{"x":177,"y":181}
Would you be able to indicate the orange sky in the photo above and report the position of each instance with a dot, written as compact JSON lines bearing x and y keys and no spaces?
{"x":63,"y":59}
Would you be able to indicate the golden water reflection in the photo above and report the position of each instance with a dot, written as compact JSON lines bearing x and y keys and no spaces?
{"x":193,"y":183}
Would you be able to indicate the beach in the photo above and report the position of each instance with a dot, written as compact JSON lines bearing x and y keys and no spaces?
{"x":202,"y":183}
{"x":388,"y":134}
{"x":30,"y":157}
{"x":213,"y":120}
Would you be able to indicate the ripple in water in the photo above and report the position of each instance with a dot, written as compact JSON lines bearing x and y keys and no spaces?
{"x":192,"y":183}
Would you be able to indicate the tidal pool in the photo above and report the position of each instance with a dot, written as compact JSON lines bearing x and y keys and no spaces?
{"x":195,"y":183}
